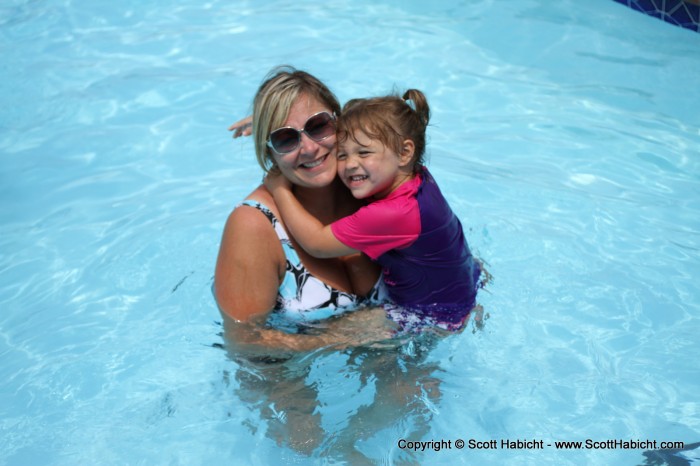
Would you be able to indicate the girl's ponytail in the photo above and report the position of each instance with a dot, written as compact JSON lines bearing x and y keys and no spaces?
{"x":417,"y":101}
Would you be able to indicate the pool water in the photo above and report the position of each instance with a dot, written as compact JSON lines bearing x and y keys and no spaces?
{"x":565,"y":135}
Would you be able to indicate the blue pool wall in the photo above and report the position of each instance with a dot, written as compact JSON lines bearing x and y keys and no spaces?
{"x":683,"y":13}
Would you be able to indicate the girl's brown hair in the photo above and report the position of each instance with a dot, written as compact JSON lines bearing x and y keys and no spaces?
{"x":390,"y":119}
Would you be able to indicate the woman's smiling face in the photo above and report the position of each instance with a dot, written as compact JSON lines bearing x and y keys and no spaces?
{"x":313,"y":164}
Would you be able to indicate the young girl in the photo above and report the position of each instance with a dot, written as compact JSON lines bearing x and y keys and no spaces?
{"x":407,"y":225}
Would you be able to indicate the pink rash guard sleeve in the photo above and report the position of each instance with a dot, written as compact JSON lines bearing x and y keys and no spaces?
{"x":385,"y":224}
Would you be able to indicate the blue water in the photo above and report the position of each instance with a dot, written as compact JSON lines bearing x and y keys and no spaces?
{"x":566,"y":136}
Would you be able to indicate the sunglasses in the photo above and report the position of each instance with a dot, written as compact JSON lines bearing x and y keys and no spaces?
{"x":318,"y":127}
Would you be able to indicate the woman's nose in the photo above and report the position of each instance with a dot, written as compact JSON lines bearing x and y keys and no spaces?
{"x":307,"y":144}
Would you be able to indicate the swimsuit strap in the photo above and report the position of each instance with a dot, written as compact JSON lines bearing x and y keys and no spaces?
{"x":289,"y":250}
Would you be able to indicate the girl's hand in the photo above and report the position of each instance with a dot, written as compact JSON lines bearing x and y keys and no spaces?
{"x":276,"y":182}
{"x":242,"y":127}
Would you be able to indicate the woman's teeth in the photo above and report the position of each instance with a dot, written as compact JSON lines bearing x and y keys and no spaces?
{"x":314,"y":163}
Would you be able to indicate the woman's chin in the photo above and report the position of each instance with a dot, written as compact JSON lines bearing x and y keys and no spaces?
{"x":315,"y":180}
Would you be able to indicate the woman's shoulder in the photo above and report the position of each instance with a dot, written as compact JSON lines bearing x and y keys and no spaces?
{"x":252,"y":215}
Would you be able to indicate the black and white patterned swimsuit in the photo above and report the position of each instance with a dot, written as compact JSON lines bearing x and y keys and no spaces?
{"x":302,"y":298}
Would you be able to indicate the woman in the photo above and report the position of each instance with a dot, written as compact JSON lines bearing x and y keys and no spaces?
{"x":262,"y":276}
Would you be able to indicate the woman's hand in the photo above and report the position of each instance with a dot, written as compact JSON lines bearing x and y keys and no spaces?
{"x":276,"y":182}
{"x":242,"y":127}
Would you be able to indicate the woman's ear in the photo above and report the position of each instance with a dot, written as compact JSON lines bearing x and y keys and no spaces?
{"x":408,"y":148}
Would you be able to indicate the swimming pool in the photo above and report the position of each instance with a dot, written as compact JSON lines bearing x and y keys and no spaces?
{"x":566,"y":137}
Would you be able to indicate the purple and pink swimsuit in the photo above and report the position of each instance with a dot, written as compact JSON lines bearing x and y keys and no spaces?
{"x":428,"y":270}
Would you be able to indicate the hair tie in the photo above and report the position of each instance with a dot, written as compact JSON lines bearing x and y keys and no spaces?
{"x":411,"y":104}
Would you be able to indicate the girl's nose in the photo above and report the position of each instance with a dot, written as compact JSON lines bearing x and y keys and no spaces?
{"x":350,"y":162}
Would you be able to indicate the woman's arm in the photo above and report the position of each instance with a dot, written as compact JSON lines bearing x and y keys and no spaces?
{"x":365,"y":327}
{"x":242,"y":127}
{"x":249,"y":266}
{"x":316,"y":238}
{"x":363,"y":273}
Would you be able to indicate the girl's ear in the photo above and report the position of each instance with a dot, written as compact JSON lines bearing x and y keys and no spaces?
{"x":408,"y":148}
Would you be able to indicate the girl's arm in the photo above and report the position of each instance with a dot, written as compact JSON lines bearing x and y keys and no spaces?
{"x":316,"y":238}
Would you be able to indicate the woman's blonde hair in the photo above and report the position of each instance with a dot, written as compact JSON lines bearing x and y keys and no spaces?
{"x":274,"y":99}
{"x":391,"y":120}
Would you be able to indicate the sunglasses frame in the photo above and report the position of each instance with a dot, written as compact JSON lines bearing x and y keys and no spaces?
{"x":333,"y":118}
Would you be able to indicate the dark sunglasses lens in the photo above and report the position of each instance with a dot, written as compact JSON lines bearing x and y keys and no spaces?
{"x":320,"y":126}
{"x":284,"y":140}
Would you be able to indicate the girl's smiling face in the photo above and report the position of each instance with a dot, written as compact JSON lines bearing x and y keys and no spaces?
{"x":370,"y":169}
